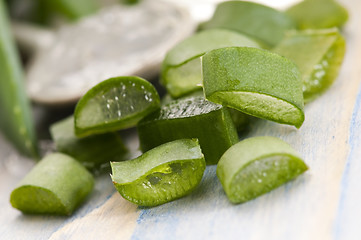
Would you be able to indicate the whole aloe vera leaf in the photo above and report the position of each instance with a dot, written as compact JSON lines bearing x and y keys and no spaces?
{"x":16,"y":121}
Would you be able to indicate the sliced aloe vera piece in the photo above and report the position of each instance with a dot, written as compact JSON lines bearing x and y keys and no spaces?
{"x":256,"y":82}
{"x":192,"y":117}
{"x":318,"y":14}
{"x":114,"y":104}
{"x":56,"y":185}
{"x":318,"y":54}
{"x":260,"y":22}
{"x":160,"y":175}
{"x":15,"y":116}
{"x":181,"y":69}
{"x":256,"y":166}
{"x":240,"y":120}
{"x":92,"y":151}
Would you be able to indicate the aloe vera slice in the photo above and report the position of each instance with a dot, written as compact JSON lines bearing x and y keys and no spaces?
{"x":181,"y":69}
{"x":92,"y":151}
{"x":260,"y":22}
{"x":160,"y":175}
{"x":318,"y":14}
{"x":56,"y":185}
{"x":256,"y":82}
{"x":318,"y":54}
{"x":240,"y":120}
{"x":256,"y":166}
{"x":114,"y":104}
{"x":15,"y":116}
{"x":192,"y":117}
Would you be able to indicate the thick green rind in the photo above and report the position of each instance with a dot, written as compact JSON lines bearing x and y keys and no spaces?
{"x":256,"y":166}
{"x":181,"y":68}
{"x":244,"y":78}
{"x":260,"y":22}
{"x":92,"y":151}
{"x":90,"y":107}
{"x":318,"y":14}
{"x":64,"y":182}
{"x":318,"y":54}
{"x":16,"y":121}
{"x":260,"y":105}
{"x":160,"y":175}
{"x":45,"y":201}
{"x":210,"y":123}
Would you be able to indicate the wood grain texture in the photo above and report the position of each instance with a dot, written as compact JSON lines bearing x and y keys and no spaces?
{"x":322,"y":204}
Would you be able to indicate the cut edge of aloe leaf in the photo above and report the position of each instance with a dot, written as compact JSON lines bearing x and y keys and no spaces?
{"x":57,"y":184}
{"x":33,"y":201}
{"x":84,"y":109}
{"x":253,"y":179}
{"x":257,"y":165}
{"x":318,"y":78}
{"x":334,"y":58}
{"x":173,"y":193}
{"x":140,"y":187}
{"x":250,"y":103}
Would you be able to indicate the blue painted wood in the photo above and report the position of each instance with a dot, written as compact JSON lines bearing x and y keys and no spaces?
{"x":346,"y":225}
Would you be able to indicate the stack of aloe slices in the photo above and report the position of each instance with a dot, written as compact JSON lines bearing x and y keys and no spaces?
{"x":181,"y":136}
{"x":181,"y":70}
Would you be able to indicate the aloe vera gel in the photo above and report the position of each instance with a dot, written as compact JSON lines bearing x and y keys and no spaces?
{"x":161,"y":175}
{"x":256,"y":166}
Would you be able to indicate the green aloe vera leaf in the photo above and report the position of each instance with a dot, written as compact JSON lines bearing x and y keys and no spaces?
{"x":57,"y":185}
{"x":256,"y":82}
{"x":256,"y":166}
{"x":318,"y":14}
{"x":74,"y":9}
{"x":161,"y":175}
{"x":192,"y":117}
{"x":16,"y":121}
{"x":181,"y":69}
{"x":318,"y":54}
{"x":240,"y":120}
{"x":115,"y":104}
{"x":92,"y":151}
{"x":260,"y":22}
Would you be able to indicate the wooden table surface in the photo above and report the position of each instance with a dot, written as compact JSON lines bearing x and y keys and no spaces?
{"x":324,"y":203}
